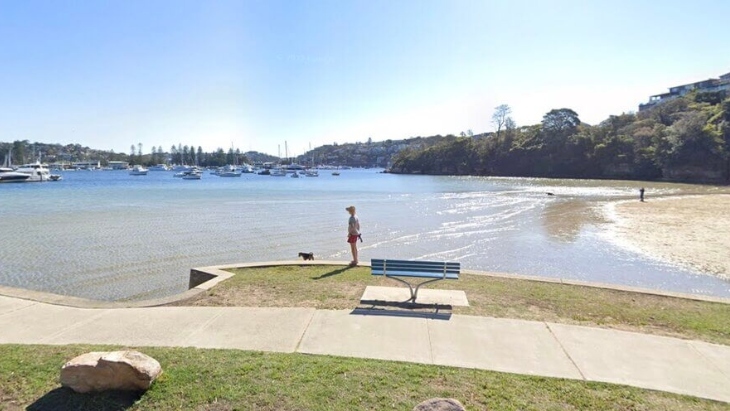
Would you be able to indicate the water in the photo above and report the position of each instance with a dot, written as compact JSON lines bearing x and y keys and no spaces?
{"x":112,"y":236}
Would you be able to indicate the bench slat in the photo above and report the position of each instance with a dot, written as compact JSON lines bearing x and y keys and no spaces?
{"x":416,"y":267}
{"x":449,"y":276}
{"x":413,"y":270}
{"x":426,"y":265}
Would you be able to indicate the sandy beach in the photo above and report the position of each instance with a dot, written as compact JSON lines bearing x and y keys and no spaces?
{"x":691,"y":231}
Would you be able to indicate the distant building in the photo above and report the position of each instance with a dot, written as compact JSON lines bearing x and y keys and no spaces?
{"x":87,"y":165}
{"x":119,"y":165}
{"x":710,"y":85}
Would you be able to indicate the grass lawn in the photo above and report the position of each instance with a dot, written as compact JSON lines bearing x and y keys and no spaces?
{"x":224,"y":380}
{"x":332,"y":287}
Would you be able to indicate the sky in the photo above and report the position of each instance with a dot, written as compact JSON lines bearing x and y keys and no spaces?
{"x":269,"y":75}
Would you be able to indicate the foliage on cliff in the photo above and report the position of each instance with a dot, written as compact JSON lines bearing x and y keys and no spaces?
{"x":368,"y":154}
{"x":687,"y":139}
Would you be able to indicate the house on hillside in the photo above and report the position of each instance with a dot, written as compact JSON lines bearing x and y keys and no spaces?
{"x":707,"y":86}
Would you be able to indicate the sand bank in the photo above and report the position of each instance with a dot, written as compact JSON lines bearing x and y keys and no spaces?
{"x":691,"y":231}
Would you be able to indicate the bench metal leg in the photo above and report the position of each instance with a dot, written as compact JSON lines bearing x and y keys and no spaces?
{"x":414,"y":292}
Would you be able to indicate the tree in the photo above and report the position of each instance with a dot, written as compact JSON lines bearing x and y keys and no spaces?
{"x":500,"y":116}
{"x":510,"y":125}
{"x":19,"y":151}
{"x":139,"y":149}
{"x":560,"y":122}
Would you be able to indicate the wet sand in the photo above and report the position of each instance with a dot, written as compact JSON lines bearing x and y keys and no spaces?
{"x":691,"y":231}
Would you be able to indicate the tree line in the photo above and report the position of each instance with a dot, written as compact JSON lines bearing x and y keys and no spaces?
{"x":684,"y":139}
{"x":187,"y":155}
{"x":23,"y":151}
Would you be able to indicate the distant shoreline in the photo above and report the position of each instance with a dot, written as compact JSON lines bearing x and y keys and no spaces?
{"x":691,"y":231}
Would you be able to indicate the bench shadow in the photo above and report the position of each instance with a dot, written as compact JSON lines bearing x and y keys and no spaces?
{"x":331,"y":273}
{"x":403,"y":309}
{"x":65,"y":399}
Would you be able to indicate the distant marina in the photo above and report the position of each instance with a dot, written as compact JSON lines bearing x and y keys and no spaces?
{"x":110,"y":235}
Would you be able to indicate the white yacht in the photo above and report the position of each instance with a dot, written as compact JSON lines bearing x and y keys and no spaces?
{"x":138,"y":170}
{"x":159,"y":167}
{"x":35,"y":171}
{"x":8,"y":175}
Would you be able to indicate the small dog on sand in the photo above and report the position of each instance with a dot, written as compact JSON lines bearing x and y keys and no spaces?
{"x":307,"y":256}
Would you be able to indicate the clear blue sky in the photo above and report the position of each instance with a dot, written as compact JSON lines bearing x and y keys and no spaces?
{"x":254,"y":74}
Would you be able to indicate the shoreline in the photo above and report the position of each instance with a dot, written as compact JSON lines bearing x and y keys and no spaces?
{"x":205,"y":278}
{"x":689,"y":231}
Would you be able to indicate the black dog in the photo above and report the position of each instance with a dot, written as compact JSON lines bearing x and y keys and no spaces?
{"x":307,"y":256}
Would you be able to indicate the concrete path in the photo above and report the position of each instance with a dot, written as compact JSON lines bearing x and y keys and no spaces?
{"x":524,"y":347}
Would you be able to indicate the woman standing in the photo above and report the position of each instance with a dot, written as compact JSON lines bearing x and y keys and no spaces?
{"x":353,"y":232}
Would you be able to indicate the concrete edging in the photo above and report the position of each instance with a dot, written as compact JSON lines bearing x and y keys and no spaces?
{"x":204,"y":278}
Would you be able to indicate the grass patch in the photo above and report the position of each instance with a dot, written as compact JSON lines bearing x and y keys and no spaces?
{"x":332,"y":287}
{"x":224,"y":380}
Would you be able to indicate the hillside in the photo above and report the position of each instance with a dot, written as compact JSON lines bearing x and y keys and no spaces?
{"x":369,"y":154}
{"x":685,"y":139}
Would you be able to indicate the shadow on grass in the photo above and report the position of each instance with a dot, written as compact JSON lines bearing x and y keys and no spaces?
{"x":333,"y":272}
{"x":404,"y":309}
{"x":65,"y":399}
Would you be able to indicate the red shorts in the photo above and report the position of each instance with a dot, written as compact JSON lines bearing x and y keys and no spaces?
{"x":351,"y":239}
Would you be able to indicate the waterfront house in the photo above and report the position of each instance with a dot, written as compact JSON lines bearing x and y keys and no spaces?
{"x":706,"y":86}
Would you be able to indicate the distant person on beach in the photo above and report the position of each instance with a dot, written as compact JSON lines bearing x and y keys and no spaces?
{"x":353,"y":232}
{"x":641,"y":194}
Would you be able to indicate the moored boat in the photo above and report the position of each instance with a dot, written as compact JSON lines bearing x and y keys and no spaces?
{"x":278,"y":172}
{"x":230,"y":171}
{"x":189,"y":171}
{"x":193,"y":175}
{"x":8,"y":175}
{"x":36,"y":171}
{"x":159,"y":167}
{"x":138,"y":170}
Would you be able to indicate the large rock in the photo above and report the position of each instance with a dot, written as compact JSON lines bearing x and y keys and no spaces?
{"x":440,"y":404}
{"x":116,"y":370}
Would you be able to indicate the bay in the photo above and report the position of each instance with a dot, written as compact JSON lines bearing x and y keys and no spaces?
{"x":111,"y":236}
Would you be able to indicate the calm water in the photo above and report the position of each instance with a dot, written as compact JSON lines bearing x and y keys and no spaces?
{"x":107,"y":235}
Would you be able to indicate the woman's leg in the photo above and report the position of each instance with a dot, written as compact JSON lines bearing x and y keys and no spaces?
{"x":353,"y":248}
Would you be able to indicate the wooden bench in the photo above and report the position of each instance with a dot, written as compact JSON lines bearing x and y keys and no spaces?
{"x":430,"y":270}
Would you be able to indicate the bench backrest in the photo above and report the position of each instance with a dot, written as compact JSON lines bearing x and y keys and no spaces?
{"x":406,"y":268}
